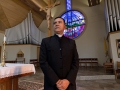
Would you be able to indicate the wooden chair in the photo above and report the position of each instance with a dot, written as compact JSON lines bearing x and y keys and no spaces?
{"x":35,"y":62}
{"x":108,"y":66}
{"x":20,"y":57}
{"x":20,"y":60}
{"x":117,"y":71}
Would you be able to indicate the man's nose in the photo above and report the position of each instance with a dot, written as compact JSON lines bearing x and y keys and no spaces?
{"x":57,"y":24}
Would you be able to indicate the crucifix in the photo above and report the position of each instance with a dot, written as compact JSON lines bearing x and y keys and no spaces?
{"x":47,"y":9}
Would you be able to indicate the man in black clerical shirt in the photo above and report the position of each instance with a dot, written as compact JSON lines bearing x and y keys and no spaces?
{"x":59,"y":59}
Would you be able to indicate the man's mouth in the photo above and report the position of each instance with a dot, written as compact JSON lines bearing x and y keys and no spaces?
{"x":57,"y":27}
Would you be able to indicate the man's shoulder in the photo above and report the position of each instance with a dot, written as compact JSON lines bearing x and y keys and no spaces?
{"x":47,"y":38}
{"x":71,"y":40}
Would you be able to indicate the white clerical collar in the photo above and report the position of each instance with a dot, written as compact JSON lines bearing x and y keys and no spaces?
{"x":59,"y":35}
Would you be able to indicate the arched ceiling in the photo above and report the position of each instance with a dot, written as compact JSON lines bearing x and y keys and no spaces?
{"x":13,"y":12}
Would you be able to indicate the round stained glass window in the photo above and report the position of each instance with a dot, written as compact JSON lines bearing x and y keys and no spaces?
{"x":75,"y":23}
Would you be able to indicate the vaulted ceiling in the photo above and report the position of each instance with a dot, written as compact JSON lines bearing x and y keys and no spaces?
{"x":13,"y":12}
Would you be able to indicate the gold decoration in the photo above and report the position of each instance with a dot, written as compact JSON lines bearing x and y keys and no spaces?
{"x":3,"y":55}
{"x":20,"y":54}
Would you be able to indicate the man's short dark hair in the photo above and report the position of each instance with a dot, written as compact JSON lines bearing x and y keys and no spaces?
{"x":61,"y":18}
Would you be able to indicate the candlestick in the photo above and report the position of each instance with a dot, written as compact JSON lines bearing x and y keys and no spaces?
{"x":3,"y":55}
{"x":4,"y":38}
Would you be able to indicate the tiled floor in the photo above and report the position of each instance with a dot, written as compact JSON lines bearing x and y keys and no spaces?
{"x":106,"y":84}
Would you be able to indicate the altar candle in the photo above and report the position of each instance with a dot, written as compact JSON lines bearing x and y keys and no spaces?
{"x":4,"y":38}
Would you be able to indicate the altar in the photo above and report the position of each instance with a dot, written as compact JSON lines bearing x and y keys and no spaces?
{"x":9,"y":75}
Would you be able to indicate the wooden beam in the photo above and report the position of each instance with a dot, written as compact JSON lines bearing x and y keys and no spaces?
{"x":14,"y":13}
{"x":93,"y":2}
{"x":3,"y":26}
{"x":41,"y":3}
{"x":47,"y":1}
{"x":1,"y":31}
{"x":25,"y":6}
{"x":47,"y":9}
{"x":49,"y":28}
{"x":33,"y":7}
{"x":3,"y":18}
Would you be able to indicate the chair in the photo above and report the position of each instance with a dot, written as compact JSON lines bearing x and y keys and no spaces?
{"x":117,"y":71}
{"x":20,"y":60}
{"x":108,"y":66}
{"x":20,"y":57}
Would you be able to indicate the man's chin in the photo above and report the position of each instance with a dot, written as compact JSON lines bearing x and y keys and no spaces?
{"x":57,"y":31}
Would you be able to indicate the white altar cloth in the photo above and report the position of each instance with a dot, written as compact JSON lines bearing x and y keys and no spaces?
{"x":16,"y":69}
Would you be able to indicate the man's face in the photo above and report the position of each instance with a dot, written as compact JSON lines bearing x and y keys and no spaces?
{"x":59,"y":26}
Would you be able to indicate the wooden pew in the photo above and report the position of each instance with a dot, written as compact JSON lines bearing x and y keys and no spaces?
{"x":10,"y":61}
{"x":88,"y":61}
{"x":94,"y":61}
{"x":82,"y":61}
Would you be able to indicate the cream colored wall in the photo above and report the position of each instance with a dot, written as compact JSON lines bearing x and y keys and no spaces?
{"x":91,"y":43}
{"x":33,"y":54}
{"x":12,"y":50}
{"x":112,"y":41}
{"x":30,"y":52}
{"x":1,"y":38}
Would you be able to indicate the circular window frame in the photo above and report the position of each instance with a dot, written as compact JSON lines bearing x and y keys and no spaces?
{"x":83,"y":15}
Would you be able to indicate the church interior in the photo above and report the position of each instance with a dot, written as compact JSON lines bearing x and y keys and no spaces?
{"x":93,"y":24}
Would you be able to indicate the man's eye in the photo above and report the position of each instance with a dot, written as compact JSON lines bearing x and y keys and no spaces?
{"x":59,"y":22}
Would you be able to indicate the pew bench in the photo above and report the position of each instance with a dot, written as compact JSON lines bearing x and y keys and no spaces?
{"x":35,"y":62}
{"x":86,"y":62}
{"x":10,"y":61}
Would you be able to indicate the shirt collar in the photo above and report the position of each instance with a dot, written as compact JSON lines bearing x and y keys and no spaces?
{"x":59,"y":35}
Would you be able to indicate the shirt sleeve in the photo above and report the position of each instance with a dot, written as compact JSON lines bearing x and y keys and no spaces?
{"x":47,"y":70}
{"x":71,"y":77}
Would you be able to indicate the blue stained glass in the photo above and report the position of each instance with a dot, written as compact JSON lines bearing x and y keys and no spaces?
{"x":68,"y":5}
{"x":75,"y":23}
